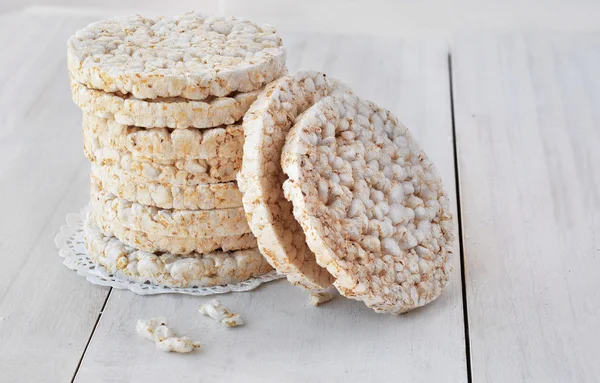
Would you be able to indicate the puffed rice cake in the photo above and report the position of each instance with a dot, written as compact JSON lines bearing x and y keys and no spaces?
{"x":184,"y":172}
{"x":175,"y":112}
{"x":280,"y":238}
{"x":188,"y":55}
{"x":162,"y":144}
{"x":174,"y":223}
{"x":193,"y":270}
{"x":165,"y":195}
{"x":168,"y":244}
{"x":370,"y":202}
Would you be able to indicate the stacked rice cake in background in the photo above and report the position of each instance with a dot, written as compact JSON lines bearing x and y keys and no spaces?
{"x":162,"y":100}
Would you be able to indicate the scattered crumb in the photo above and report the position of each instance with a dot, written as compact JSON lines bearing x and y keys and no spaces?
{"x":177,"y":344}
{"x":164,"y":337}
{"x":318,"y":297}
{"x":219,"y":312}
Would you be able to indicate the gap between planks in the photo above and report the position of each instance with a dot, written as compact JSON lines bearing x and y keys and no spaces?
{"x":461,"y":250}
{"x":91,"y":335}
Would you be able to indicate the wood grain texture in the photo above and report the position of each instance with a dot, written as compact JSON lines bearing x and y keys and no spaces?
{"x":286,"y":339}
{"x":527,"y":113}
{"x":47,"y":312}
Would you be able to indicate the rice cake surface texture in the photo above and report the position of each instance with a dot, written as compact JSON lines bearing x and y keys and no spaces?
{"x":174,"y":223}
{"x":174,"y":245}
{"x":174,"y":172}
{"x":280,"y":238}
{"x":370,"y":202}
{"x":175,"y":112}
{"x":189,"y":55}
{"x":193,"y":270}
{"x":164,"y":144}
{"x":165,"y":195}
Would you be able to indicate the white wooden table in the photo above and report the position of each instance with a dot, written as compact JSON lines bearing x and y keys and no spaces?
{"x":513,"y":123}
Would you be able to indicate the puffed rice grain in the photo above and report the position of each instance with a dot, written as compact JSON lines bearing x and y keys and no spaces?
{"x":219,"y":312}
{"x":165,"y":339}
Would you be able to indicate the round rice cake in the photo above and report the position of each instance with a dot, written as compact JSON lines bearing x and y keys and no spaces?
{"x":370,"y":202}
{"x":189,"y":55}
{"x":193,"y":270}
{"x":162,"y":144}
{"x":165,"y":195}
{"x":280,"y":238}
{"x":173,"y":223}
{"x":175,"y":112}
{"x":183,"y":172}
{"x":174,"y":245}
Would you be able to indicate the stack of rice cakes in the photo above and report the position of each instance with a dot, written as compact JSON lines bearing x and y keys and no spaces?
{"x":331,"y":188}
{"x":162,"y":100}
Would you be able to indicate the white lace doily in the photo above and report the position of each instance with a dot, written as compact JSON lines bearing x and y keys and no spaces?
{"x":69,"y":241}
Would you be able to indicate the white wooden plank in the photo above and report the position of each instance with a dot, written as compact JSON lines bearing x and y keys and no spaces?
{"x":527,"y":113}
{"x":47,"y":312}
{"x":285,"y":339}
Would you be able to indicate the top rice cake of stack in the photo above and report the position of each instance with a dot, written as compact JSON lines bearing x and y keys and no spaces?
{"x":162,"y":100}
